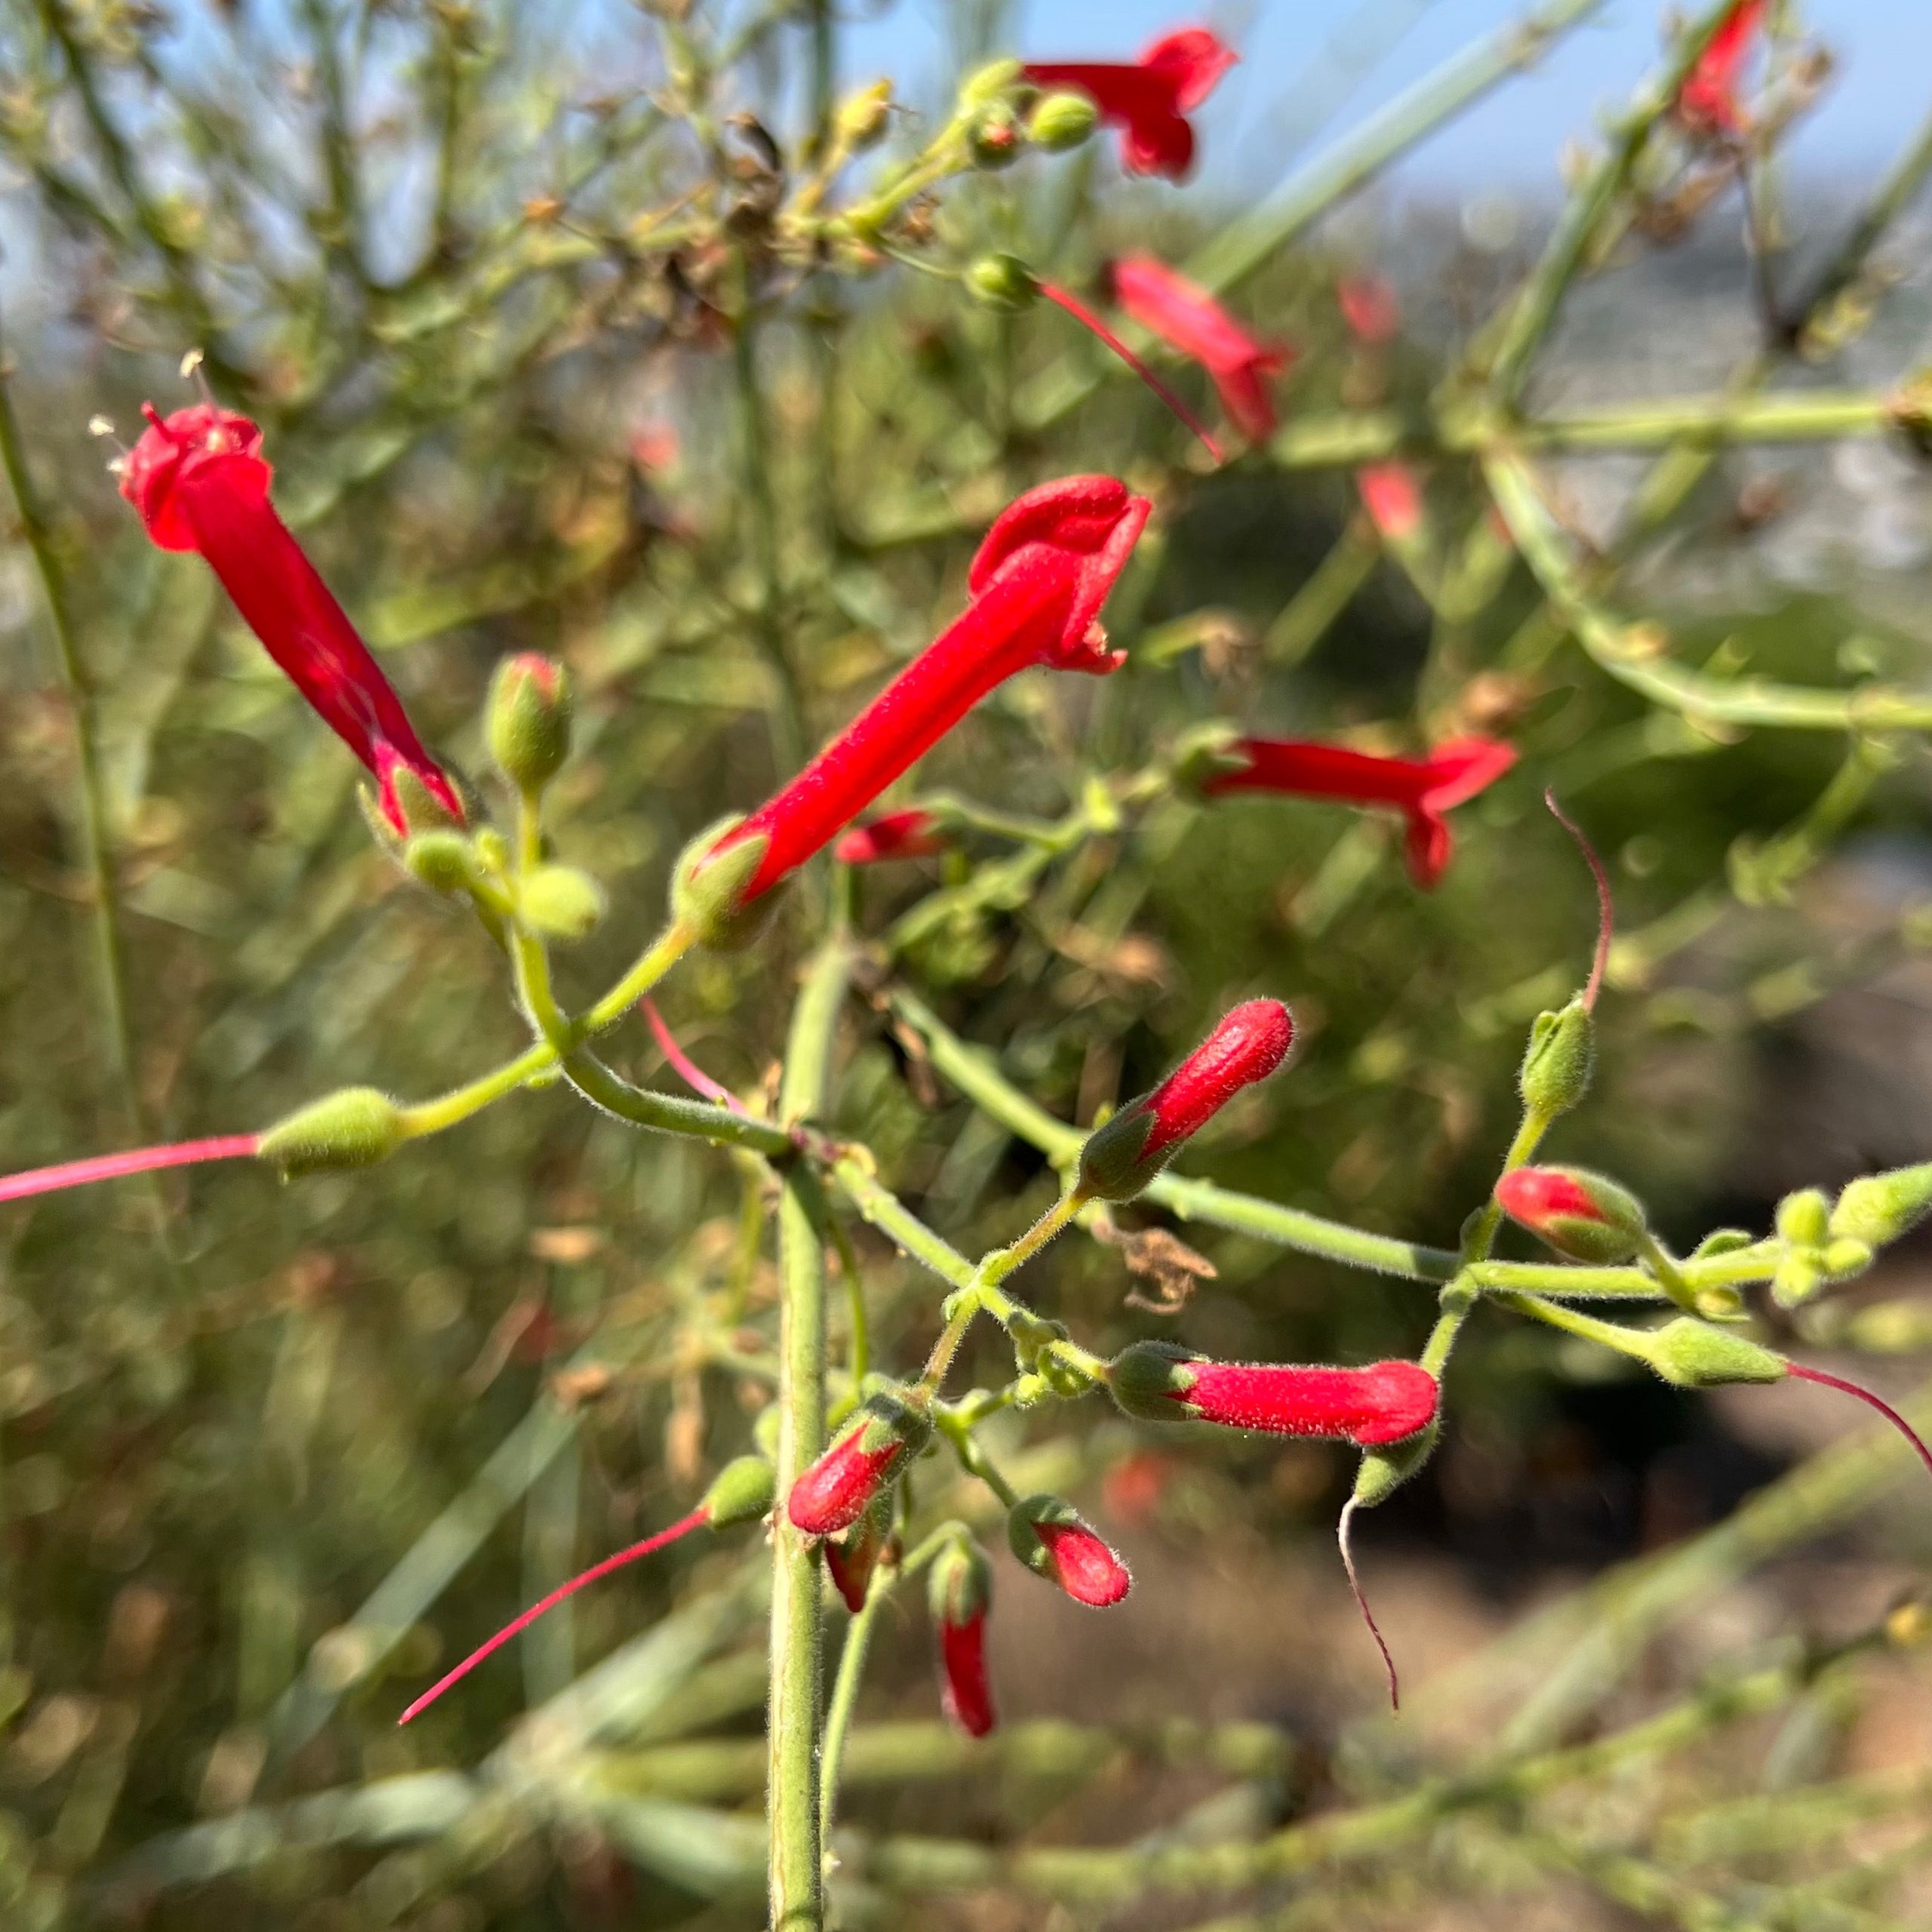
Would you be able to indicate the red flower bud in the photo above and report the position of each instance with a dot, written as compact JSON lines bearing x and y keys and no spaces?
{"x":1385,"y":1402}
{"x":1189,"y":319}
{"x":853,"y":1558}
{"x":914,"y":833}
{"x":199,"y":481}
{"x":1054,"y":1542}
{"x":1037,"y":584}
{"x":1148,"y":99}
{"x":885,"y":1434}
{"x":1423,"y":790}
{"x":1369,"y":308}
{"x":1123,"y":1155}
{"x":1579,"y":1213}
{"x":960,"y":1590}
{"x":1707,"y":103}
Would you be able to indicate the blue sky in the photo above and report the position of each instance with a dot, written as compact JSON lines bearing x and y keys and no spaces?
{"x":1882,"y":89}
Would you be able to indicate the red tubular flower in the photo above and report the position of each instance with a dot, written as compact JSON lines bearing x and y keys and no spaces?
{"x":1369,"y":308}
{"x":885,"y":1434}
{"x":1386,"y":1402}
{"x":1393,"y":498}
{"x":1185,"y":317}
{"x":1149,"y":99}
{"x":199,"y":481}
{"x":1054,"y":1542}
{"x":914,"y":833}
{"x":1583,"y":1215}
{"x":960,"y":1593}
{"x":1423,"y":790}
{"x":1122,"y":1156}
{"x":1036,"y":585}
{"x":1707,"y":103}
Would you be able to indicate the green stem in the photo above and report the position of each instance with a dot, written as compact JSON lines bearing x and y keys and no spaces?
{"x":1635,"y":1342}
{"x":795,"y":1872}
{"x":1307,"y":617}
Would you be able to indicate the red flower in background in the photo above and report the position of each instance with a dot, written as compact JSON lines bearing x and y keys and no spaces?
{"x":913,"y":833}
{"x":1369,"y":307}
{"x":1148,"y":99}
{"x":1393,"y":498}
{"x":199,"y":481}
{"x":1707,"y":103}
{"x":1185,"y":317}
{"x":1422,"y":789}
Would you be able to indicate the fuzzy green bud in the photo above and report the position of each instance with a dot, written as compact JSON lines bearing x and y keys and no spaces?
{"x":1002,"y":281}
{"x":1881,"y":1208}
{"x":356,"y":1128}
{"x":1384,"y":1471}
{"x":1583,"y":1215}
{"x":1695,"y":1355}
{"x":743,"y":1491}
{"x":995,"y":139}
{"x":1556,"y":1069}
{"x":1799,"y":1278}
{"x":442,"y":860}
{"x":707,"y":890}
{"x":1804,"y":1219}
{"x":864,"y":116}
{"x":990,"y":83}
{"x":528,"y":719}
{"x":422,"y":810}
{"x":1062,"y":121}
{"x":560,"y":902}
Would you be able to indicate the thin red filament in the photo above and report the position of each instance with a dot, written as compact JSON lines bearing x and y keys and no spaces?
{"x":1342,"y":1530}
{"x":1606,"y":905}
{"x":135,"y":1161}
{"x":684,"y":1527}
{"x":1081,"y":313}
{"x":1865,"y":1395}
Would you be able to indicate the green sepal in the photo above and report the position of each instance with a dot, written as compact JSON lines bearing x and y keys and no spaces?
{"x":1002,"y":281}
{"x":960,"y":1586}
{"x":707,"y":891}
{"x":1695,"y":1355}
{"x":1112,"y":1167}
{"x":1146,"y":1379}
{"x":742,"y":1491}
{"x":1384,"y":1471}
{"x":354,"y":1128}
{"x":1062,"y":121}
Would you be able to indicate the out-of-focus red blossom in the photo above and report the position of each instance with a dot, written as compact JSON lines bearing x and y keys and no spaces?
{"x":1369,"y":307}
{"x":1185,"y":317}
{"x":967,"y":1696}
{"x":198,"y":479}
{"x":852,"y":1558}
{"x":913,"y":833}
{"x":1708,"y":103}
{"x":1423,"y":790}
{"x":654,"y":447}
{"x":1037,"y":584}
{"x":1148,"y":99}
{"x":1393,"y":498}
{"x":1133,"y":1488}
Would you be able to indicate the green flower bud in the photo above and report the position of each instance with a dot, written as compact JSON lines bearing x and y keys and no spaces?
{"x":1002,"y":281}
{"x":1803,"y":1218}
{"x":1384,"y":1471}
{"x":1585,"y":1216}
{"x":1556,"y":1069}
{"x":356,"y":1128}
{"x":995,"y":139}
{"x":528,"y":719}
{"x":1881,"y":1208}
{"x":705,"y":891}
{"x":863,"y":117}
{"x":1799,"y":1278}
{"x":743,"y":1491}
{"x":1063,"y":121}
{"x":560,"y":902}
{"x":1695,"y":1355}
{"x":989,"y":84}
{"x":421,"y":810}
{"x":442,"y":860}
{"x":1844,"y":1258}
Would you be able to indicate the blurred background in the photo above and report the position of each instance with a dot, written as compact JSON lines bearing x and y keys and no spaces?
{"x":270,"y":1456}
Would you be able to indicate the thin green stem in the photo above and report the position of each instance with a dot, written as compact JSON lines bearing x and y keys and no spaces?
{"x":796,"y":1874}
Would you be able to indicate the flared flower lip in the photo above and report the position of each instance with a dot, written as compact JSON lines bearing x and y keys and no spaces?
{"x":1148,"y":99}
